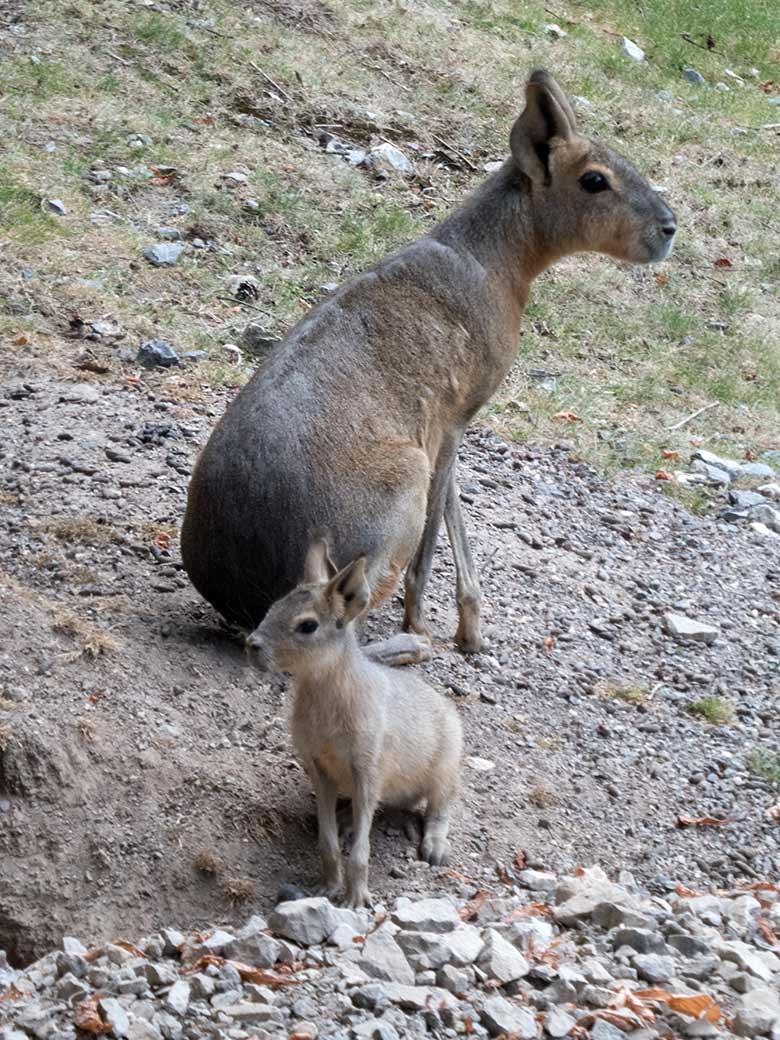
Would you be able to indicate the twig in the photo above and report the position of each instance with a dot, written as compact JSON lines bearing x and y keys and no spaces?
{"x":116,"y":57}
{"x":376,"y":68}
{"x":455,"y":152}
{"x":488,"y":561}
{"x":693,"y":415}
{"x":273,"y":83}
{"x":701,"y":46}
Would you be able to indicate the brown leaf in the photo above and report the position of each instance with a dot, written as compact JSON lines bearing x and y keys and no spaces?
{"x":663,"y":474}
{"x":471,"y":909}
{"x":162,"y":540}
{"x":87,"y":1016}
{"x":750,"y":455}
{"x":12,"y":993}
{"x":768,"y":87}
{"x":723,"y":261}
{"x":670,"y":453}
{"x":21,"y":340}
{"x":696,"y":1005}
{"x":246,"y":971}
{"x":124,"y":944}
{"x":549,"y":643}
{"x":568,"y":416}
{"x":519,"y":859}
{"x":662,"y":278}
{"x":767,"y":932}
{"x":531,"y":910}
{"x":502,"y":874}
{"x":701,"y":821}
{"x":773,"y":812}
{"x":686,"y":893}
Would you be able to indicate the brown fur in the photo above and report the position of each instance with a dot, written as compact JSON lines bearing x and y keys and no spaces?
{"x":361,"y":730}
{"x":353,"y":425}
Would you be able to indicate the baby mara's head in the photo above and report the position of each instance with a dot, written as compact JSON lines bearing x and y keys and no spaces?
{"x":315,"y":620}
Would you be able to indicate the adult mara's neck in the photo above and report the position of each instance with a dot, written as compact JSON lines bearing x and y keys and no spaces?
{"x":496,"y":225}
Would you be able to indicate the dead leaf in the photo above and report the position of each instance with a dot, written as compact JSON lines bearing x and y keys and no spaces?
{"x":670,"y":453}
{"x":768,"y":87}
{"x":767,"y":931}
{"x":21,"y":340}
{"x":246,"y":971}
{"x":162,"y":540}
{"x":502,"y":874}
{"x":531,"y":910}
{"x":519,"y":859}
{"x":622,"y":1018}
{"x":12,"y":993}
{"x":547,"y":954}
{"x":750,"y":455}
{"x":470,"y":910}
{"x":568,"y":416}
{"x":663,"y":474}
{"x":723,"y":261}
{"x":695,"y":1005}
{"x":662,"y":278}
{"x":549,"y":643}
{"x":686,"y":893}
{"x":701,"y":821}
{"x":124,"y":944}
{"x":87,"y":1016}
{"x":773,"y":812}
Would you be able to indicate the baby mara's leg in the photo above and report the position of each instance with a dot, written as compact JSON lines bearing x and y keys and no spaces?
{"x":328,"y":839}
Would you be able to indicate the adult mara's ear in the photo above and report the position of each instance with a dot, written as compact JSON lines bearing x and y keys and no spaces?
{"x":546,"y":118}
{"x":318,"y":566}
{"x":348,"y":593}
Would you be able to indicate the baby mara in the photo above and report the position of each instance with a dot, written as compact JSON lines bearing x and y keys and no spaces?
{"x":361,"y":730}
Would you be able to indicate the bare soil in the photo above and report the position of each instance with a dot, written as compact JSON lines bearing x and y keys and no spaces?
{"x":145,"y":772}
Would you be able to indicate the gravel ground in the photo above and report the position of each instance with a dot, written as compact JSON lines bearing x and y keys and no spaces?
{"x":578,"y":956}
{"x":145,"y":772}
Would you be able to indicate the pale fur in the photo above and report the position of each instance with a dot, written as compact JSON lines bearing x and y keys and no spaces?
{"x":362,"y":731}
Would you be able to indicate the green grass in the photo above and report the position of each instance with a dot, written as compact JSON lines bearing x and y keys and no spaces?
{"x":765,"y":764}
{"x":714,"y":710}
{"x":636,"y":350}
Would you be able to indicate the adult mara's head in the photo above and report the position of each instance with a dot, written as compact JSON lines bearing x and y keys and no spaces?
{"x":580,"y":195}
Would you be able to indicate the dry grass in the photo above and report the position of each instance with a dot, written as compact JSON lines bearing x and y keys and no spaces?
{"x":626,"y":692}
{"x":83,"y":530}
{"x":238,"y":890}
{"x":208,"y":863}
{"x":87,"y":729}
{"x":542,"y":797}
{"x":91,"y":640}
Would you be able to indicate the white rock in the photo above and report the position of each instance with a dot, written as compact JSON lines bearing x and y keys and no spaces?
{"x":762,"y":532}
{"x":417,"y":998}
{"x":558,"y":1023}
{"x":306,"y":921}
{"x":740,"y":913}
{"x":383,"y":155}
{"x":383,"y":958}
{"x":686,"y":630}
{"x":178,"y":998}
{"x":731,"y":466}
{"x":757,"y":1013}
{"x":425,"y":915}
{"x":73,"y":946}
{"x":761,"y":963}
{"x":770,"y":491}
{"x":115,"y":1015}
{"x":481,"y":765}
{"x":501,"y":960}
{"x":499,"y":1016}
{"x":631,"y":49}
{"x":554,"y":30}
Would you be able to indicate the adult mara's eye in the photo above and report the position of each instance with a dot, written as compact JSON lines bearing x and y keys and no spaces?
{"x":307,"y":627}
{"x":594,"y":182}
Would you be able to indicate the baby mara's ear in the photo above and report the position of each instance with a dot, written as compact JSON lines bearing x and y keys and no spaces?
{"x":348,"y":593}
{"x":318,"y":566}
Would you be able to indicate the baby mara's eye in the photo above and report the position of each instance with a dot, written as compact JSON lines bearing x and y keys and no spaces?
{"x":307,"y":627}
{"x":594,"y":182}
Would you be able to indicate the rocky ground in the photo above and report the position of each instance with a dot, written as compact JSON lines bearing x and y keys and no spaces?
{"x":145,"y":771}
{"x":575,"y":956}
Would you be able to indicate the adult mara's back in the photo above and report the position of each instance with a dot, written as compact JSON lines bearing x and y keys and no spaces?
{"x":352,"y":427}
